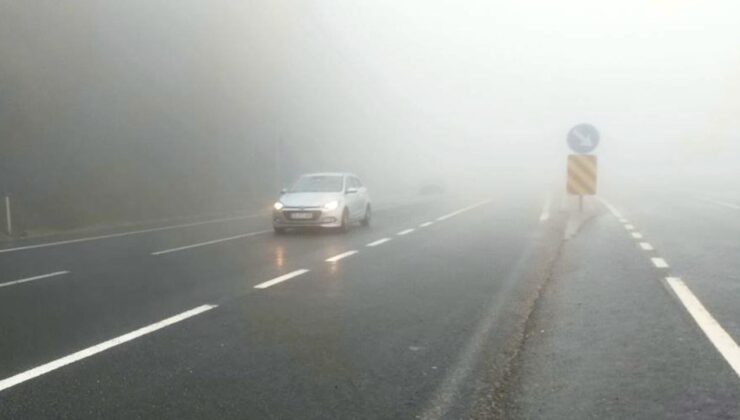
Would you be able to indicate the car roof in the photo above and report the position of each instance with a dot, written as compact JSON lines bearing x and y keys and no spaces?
{"x":329,"y":174}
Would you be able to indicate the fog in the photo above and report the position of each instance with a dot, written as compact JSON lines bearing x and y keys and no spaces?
{"x":116,"y":111}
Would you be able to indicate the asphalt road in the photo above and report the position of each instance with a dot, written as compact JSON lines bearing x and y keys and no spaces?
{"x":642,"y":317}
{"x":412,"y":326}
{"x":451,"y":307}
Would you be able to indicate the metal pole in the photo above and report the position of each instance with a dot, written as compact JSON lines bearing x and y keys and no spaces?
{"x":8,"y":219}
{"x":278,"y":180}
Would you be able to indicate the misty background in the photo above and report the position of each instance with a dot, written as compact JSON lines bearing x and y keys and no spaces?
{"x":117,"y":111}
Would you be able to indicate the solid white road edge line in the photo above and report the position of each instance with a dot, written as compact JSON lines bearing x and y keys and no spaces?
{"x":378,"y":242}
{"x":405,"y":232}
{"x":90,"y":351}
{"x":215,"y":241}
{"x":721,"y":203}
{"x":281,"y":279}
{"x":340,"y":256}
{"x":717,"y":335}
{"x":129,"y":233}
{"x":27,"y":279}
{"x":659,"y":262}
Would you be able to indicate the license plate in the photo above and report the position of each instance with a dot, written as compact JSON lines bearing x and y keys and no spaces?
{"x":301,"y":216}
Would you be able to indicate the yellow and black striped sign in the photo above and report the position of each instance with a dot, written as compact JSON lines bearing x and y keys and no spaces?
{"x":582,"y":174}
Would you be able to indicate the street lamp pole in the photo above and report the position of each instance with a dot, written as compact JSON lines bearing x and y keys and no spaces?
{"x":8,"y":218}
{"x":278,"y":177}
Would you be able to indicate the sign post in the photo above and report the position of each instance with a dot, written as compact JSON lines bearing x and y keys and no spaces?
{"x":582,"y":167}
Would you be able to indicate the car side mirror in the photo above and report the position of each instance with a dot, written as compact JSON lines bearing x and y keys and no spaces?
{"x":352,"y":190}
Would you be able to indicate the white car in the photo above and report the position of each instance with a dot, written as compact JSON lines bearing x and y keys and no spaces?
{"x":329,"y":200}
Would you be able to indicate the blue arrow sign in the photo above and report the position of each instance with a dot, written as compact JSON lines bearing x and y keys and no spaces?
{"x":583,"y":138}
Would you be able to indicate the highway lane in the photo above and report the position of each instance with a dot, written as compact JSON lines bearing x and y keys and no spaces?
{"x":640,"y":317}
{"x":33,"y":257}
{"x":47,"y":254}
{"x":416,"y":316}
{"x":699,"y":238}
{"x":114,"y":287}
{"x":376,"y":332}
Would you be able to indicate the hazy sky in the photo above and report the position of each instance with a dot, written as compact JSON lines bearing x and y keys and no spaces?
{"x":644,"y":71}
{"x":429,"y":85}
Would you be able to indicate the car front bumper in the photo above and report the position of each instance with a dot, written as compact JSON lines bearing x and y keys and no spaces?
{"x":320,"y":218}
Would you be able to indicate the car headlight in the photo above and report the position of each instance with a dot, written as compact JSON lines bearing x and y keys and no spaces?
{"x":332,"y":205}
{"x":278,"y":205}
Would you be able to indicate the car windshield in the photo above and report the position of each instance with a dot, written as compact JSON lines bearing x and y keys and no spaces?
{"x":318,"y":183}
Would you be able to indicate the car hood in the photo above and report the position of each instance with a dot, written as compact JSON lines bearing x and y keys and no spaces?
{"x":308,"y":199}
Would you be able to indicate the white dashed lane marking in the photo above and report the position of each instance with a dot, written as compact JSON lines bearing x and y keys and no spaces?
{"x":545,"y":215}
{"x":612,"y":209}
{"x":426,"y":224}
{"x":378,"y":242}
{"x":98,"y":348}
{"x":405,"y":232}
{"x":341,"y":256}
{"x":637,"y":235}
{"x":281,"y":279}
{"x":646,"y":246}
{"x":462,"y":210}
{"x":659,"y":262}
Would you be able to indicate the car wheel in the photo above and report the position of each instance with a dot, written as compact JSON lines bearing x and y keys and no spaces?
{"x":278,"y":230}
{"x":344,"y":228}
{"x":368,"y":216}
